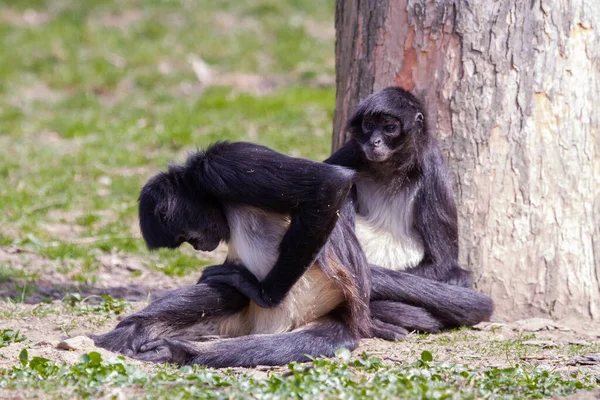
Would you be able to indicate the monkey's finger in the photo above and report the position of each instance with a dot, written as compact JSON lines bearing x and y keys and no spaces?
{"x":160,"y":354}
{"x":129,"y":353}
{"x":152,"y":345}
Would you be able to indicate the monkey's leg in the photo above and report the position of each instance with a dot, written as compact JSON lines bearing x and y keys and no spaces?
{"x":189,"y":313}
{"x":452,"y":305}
{"x":396,"y":315}
{"x":451,"y":273}
{"x":320,"y":338}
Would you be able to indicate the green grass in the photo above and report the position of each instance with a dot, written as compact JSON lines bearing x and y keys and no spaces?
{"x":365,"y":378}
{"x":8,"y":336}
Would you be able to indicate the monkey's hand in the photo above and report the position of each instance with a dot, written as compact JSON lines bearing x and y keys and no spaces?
{"x":239,"y":277}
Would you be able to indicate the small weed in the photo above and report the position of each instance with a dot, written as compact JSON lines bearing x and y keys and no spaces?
{"x":8,"y":273}
{"x":103,"y":305}
{"x":8,"y":336}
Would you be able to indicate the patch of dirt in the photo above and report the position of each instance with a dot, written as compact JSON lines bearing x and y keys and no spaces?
{"x":119,"y":275}
{"x":487,"y":349}
{"x":64,"y":231}
{"x":69,"y":216}
{"x":501,"y":347}
{"x":230,"y":23}
{"x":250,"y":83}
{"x":46,"y":324}
{"x":44,"y":332}
{"x":61,"y":219}
{"x":319,"y":30}
{"x":39,"y":91}
{"x":243,"y":82}
{"x":256,"y":84}
{"x":59,"y":145}
{"x":28,"y":18}
{"x":122,"y":20}
{"x":590,"y":395}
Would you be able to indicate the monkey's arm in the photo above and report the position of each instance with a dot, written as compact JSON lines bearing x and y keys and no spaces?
{"x":349,"y":155}
{"x":311,"y":193}
{"x":436,"y":222}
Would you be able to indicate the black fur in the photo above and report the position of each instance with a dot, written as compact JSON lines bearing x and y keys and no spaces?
{"x":451,"y":305}
{"x":175,"y":328}
{"x":168,"y":331}
{"x":405,"y":159}
{"x":321,"y":338}
{"x":177,"y":314}
{"x":416,"y":161}
{"x":186,"y":205}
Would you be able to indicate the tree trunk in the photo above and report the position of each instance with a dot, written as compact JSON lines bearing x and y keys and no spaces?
{"x":512,"y":89}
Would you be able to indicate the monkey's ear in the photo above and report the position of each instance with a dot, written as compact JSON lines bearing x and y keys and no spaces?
{"x":419,"y":117}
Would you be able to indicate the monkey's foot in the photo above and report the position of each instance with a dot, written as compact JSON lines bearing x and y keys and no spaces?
{"x":386,"y":331}
{"x":167,"y":350}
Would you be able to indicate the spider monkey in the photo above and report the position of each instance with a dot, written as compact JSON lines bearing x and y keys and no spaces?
{"x":406,"y":213}
{"x":295,"y":282}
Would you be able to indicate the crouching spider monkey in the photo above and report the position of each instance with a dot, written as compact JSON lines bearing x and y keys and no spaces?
{"x":295,"y":282}
{"x":280,"y":296}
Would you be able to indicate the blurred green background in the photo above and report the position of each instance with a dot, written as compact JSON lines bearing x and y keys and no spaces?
{"x":98,"y":95}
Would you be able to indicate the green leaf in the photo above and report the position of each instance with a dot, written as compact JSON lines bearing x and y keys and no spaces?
{"x":426,"y":356}
{"x":24,"y":357}
{"x":343,"y":354}
{"x":92,"y":358}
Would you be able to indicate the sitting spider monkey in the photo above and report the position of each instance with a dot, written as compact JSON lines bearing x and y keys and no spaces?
{"x":406,"y":213}
{"x":295,"y":282}
{"x":407,"y":217}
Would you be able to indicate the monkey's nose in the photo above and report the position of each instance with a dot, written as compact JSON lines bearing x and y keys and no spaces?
{"x":376,"y":142}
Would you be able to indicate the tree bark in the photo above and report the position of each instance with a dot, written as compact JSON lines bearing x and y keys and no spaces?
{"x":511,"y":88}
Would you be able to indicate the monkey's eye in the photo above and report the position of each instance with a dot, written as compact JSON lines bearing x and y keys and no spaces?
{"x":161,"y":212}
{"x":390,"y":128}
{"x":368,"y":126}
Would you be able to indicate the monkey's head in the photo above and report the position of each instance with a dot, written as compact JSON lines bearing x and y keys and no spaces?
{"x":174,"y":208}
{"x":387,"y":122}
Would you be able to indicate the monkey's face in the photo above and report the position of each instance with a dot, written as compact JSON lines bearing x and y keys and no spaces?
{"x":169,"y":216}
{"x":380,"y":135}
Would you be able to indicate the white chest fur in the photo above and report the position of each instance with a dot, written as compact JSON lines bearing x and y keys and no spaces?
{"x":385,"y":226}
{"x":255,"y":237}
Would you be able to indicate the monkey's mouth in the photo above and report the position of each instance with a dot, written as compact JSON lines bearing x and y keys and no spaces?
{"x":202,"y":246}
{"x":376,"y":154}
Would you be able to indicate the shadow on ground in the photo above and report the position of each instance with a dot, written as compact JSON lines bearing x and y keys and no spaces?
{"x":34,"y":292}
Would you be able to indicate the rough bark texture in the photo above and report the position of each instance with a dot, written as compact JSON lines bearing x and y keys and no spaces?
{"x":513,"y":93}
